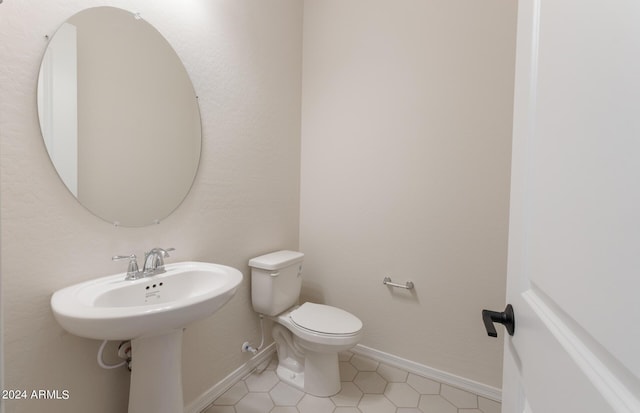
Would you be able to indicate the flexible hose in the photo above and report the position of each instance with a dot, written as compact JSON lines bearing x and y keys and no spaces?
{"x":262,"y":366}
{"x":261,"y":333}
{"x":102,"y":364}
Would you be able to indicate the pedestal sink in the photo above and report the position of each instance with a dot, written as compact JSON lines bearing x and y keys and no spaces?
{"x":151,"y":312}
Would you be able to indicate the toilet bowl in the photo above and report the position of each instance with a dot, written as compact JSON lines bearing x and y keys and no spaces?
{"x":308,"y":337}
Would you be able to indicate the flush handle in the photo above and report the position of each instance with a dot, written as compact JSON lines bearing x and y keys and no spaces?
{"x":507,"y":318}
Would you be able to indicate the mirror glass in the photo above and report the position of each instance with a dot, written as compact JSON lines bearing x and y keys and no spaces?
{"x":119,"y":116}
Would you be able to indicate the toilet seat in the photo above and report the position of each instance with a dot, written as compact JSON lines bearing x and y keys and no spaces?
{"x":325,"y":320}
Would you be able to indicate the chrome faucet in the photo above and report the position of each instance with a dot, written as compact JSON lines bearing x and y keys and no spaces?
{"x":154,"y":261}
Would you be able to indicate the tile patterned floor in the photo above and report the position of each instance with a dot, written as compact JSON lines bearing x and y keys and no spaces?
{"x":367,"y":387}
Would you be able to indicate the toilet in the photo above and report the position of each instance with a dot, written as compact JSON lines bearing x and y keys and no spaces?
{"x":308,"y":337}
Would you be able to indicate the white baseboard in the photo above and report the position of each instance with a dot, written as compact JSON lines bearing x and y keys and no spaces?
{"x":225,"y":384}
{"x":219,"y":388}
{"x":480,"y":389}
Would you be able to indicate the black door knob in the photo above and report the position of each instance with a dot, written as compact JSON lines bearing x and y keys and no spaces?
{"x":506,"y":317}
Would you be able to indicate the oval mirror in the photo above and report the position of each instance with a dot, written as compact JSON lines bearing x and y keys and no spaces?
{"x":119,"y":116}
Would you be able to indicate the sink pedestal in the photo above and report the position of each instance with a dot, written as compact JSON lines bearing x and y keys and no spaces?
{"x":156,"y":374}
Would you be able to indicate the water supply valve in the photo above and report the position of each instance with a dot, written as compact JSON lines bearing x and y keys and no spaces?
{"x":246,"y":347}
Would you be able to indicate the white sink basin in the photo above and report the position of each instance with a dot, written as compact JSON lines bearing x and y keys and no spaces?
{"x":112,"y":308}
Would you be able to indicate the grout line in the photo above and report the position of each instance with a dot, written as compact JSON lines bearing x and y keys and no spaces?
{"x":271,"y":382}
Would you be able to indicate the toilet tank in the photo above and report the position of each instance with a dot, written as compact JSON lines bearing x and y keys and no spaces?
{"x":276,"y":279}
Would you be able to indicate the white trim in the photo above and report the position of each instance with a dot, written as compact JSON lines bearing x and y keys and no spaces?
{"x":480,"y":389}
{"x":208,"y":397}
{"x":225,"y":384}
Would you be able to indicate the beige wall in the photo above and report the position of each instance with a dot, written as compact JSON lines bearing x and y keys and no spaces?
{"x":406,"y":125}
{"x":244,"y":58}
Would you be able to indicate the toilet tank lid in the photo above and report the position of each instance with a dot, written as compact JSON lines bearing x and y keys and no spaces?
{"x":276,"y":260}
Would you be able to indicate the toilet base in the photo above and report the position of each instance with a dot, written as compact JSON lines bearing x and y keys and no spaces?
{"x":292,"y":378}
{"x":321,"y":375}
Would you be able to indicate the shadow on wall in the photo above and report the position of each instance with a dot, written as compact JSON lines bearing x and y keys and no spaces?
{"x":312,"y":292}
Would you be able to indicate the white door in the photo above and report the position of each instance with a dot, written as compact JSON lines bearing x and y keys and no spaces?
{"x":574,"y":242}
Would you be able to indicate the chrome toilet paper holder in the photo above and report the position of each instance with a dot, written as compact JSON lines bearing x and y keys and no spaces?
{"x":407,"y":286}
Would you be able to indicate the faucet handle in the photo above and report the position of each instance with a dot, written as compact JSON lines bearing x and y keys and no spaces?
{"x":132,"y":270}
